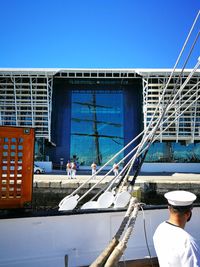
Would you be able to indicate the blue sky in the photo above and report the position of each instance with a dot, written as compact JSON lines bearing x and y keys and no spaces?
{"x":95,"y":33}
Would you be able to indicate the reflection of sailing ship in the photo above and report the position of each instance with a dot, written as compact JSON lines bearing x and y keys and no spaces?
{"x":168,"y":152}
{"x":95,"y":123}
{"x":95,"y":129}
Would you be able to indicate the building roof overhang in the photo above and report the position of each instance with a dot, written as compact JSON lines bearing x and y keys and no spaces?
{"x":62,"y":72}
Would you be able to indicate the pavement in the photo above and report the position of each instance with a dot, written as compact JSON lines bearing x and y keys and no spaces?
{"x":148,"y":186}
{"x":60,"y":179}
{"x":169,"y":177}
{"x":142,"y":177}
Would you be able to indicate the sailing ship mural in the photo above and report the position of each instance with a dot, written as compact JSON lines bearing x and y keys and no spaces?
{"x":96,"y":125}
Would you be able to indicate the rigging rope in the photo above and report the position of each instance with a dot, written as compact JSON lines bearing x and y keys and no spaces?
{"x":101,"y":259}
{"x":119,"y":246}
{"x":151,"y":136}
{"x":113,"y":252}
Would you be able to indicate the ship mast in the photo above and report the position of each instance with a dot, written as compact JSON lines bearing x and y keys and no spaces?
{"x":95,"y":129}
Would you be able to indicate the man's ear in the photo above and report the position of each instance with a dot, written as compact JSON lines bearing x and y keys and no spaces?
{"x":189,"y":215}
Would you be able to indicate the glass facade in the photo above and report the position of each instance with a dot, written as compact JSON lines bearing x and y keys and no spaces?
{"x":174,"y":152}
{"x":96,"y":125}
{"x":40,"y":150}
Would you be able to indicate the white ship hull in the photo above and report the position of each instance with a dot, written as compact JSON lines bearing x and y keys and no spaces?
{"x":49,"y":240}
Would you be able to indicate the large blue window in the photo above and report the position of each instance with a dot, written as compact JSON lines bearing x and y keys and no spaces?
{"x":173,"y":152}
{"x":96,"y":126}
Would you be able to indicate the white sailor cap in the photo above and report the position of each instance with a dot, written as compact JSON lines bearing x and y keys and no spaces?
{"x":180,"y":198}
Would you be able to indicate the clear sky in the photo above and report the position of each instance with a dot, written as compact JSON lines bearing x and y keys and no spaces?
{"x":95,"y":33}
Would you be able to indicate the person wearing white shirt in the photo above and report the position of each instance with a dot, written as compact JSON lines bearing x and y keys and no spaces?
{"x":94,"y":169}
{"x":174,"y":246}
{"x":73,"y":170}
{"x":69,"y":170}
{"x":115,"y":169}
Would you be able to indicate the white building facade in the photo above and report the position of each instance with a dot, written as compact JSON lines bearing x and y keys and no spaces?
{"x":90,"y":114}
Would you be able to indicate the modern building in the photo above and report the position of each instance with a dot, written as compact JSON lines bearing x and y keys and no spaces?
{"x":90,"y":114}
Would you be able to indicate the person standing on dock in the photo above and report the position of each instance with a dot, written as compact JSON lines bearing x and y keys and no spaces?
{"x":94,"y":169}
{"x":68,"y":169}
{"x":73,"y":170}
{"x":174,"y":246}
{"x":115,"y":169}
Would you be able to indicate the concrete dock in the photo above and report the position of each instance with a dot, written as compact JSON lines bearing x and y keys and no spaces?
{"x":50,"y":188}
{"x":158,"y":182}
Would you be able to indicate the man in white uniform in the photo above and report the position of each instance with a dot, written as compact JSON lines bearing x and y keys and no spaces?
{"x":73,"y":170}
{"x":94,"y":169}
{"x":115,"y":169}
{"x":68,"y":169}
{"x":174,"y":246}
